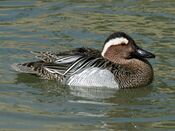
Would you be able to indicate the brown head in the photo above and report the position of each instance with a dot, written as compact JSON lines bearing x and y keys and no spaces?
{"x":119,"y":47}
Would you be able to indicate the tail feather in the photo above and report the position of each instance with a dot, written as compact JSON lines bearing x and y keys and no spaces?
{"x":23,"y":68}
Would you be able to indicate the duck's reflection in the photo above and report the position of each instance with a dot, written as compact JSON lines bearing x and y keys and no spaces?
{"x":93,"y":92}
{"x":117,"y":108}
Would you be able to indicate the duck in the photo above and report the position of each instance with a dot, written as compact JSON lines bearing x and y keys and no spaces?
{"x":121,"y":64}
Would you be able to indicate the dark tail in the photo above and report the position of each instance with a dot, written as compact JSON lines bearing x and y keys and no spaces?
{"x":30,"y":67}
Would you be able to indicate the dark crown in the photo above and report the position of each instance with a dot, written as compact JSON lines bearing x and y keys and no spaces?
{"x":118,"y":35}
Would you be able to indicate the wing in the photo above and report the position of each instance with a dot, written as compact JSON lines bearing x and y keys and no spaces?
{"x":67,"y":56}
{"x":68,"y":63}
{"x":56,"y":65}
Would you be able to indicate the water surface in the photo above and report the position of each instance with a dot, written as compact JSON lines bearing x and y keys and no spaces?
{"x":29,"y":103}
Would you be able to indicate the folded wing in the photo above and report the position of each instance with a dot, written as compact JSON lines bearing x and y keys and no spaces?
{"x":56,"y":65}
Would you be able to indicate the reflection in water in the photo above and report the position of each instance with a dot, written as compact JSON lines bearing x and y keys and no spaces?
{"x":112,"y":102}
{"x":93,"y":92}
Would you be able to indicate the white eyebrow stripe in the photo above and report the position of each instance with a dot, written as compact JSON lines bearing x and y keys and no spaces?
{"x":116,"y":41}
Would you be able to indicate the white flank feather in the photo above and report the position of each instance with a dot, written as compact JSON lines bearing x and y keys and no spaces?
{"x":93,"y":77}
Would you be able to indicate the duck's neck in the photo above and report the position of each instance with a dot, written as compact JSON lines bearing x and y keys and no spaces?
{"x":135,"y":73}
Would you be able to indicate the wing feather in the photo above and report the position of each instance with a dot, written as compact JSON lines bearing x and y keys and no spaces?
{"x":61,"y":64}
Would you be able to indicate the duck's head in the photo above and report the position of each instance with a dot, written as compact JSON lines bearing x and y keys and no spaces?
{"x":120,"y":46}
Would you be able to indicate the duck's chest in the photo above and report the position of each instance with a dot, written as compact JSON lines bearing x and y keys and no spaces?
{"x":93,"y":77}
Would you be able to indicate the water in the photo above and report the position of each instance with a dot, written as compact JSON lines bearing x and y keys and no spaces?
{"x":29,"y":103}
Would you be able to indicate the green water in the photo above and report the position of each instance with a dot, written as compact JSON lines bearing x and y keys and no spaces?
{"x":29,"y":103}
